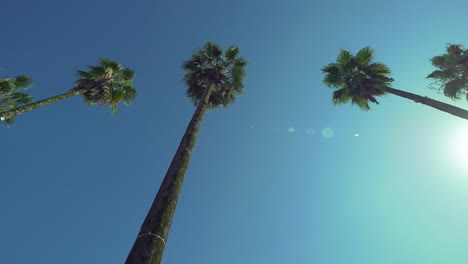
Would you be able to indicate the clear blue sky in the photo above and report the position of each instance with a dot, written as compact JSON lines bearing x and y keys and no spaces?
{"x":264,"y":184}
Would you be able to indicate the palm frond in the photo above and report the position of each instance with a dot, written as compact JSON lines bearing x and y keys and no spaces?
{"x":454,"y":49}
{"x":453,"y":88}
{"x":231,"y":53}
{"x":128,"y":74}
{"x":441,"y":62}
{"x":364,"y":56}
{"x":23,"y":82}
{"x":191,"y":65}
{"x":442,"y":75}
{"x":377,"y":69}
{"x":341,"y":96}
{"x":345,"y":57}
{"x":97,"y":71}
{"x":333,"y":75}
{"x":130,"y":95}
{"x":361,"y":103}
{"x":213,"y":50}
{"x":85,"y":75}
{"x":7,"y":85}
{"x":238,"y":72}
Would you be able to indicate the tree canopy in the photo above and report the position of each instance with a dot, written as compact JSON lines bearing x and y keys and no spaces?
{"x":356,"y":78}
{"x":12,"y":94}
{"x":452,"y":73}
{"x":224,"y":71}
{"x":108,"y":83}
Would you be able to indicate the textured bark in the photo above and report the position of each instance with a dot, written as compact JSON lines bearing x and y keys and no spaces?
{"x":151,"y":240}
{"x":25,"y":108}
{"x":456,"y":111}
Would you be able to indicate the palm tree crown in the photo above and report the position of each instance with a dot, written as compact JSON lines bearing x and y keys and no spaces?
{"x":357,"y":78}
{"x":211,"y":68}
{"x":452,"y":75}
{"x":12,"y":94}
{"x":108,"y":83}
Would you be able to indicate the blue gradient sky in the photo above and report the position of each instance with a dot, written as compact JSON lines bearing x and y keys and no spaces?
{"x":76,"y":183}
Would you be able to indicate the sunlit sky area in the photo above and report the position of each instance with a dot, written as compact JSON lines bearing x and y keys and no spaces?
{"x":281,"y":176}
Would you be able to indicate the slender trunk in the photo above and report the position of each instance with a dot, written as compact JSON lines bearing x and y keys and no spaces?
{"x":25,"y":108}
{"x":151,"y":240}
{"x":456,"y":111}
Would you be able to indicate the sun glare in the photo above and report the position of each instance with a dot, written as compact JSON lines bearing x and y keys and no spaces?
{"x":459,"y":147}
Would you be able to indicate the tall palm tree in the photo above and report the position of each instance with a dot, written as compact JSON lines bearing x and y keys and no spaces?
{"x":359,"y":80}
{"x":213,"y":78}
{"x":12,"y":94}
{"x":107,"y":84}
{"x":452,"y":75}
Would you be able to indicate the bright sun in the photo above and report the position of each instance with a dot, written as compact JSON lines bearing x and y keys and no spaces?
{"x":459,"y":147}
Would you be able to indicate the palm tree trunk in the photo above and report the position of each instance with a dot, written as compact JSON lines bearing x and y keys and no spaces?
{"x":151,"y":240}
{"x":25,"y":108}
{"x":456,"y":111}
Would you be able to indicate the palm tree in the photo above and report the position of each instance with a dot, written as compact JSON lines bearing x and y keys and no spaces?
{"x":213,"y":78}
{"x":359,"y":80}
{"x":12,"y":94}
{"x":452,"y":76}
{"x":108,"y":83}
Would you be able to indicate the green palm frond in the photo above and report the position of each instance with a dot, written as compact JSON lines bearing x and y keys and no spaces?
{"x":23,"y":82}
{"x":211,"y":67}
{"x":231,"y":53}
{"x":442,"y":75}
{"x":377,"y":69}
{"x":97,"y":71}
{"x":453,"y":88}
{"x":20,"y":83}
{"x":333,"y":75}
{"x":357,"y":78}
{"x":362,"y":103}
{"x":212,"y":50}
{"x":364,"y":56}
{"x":454,"y":50}
{"x":128,"y":74}
{"x":341,"y":96}
{"x":238,"y":72}
{"x":7,"y":85}
{"x":441,"y":62}
{"x":85,"y":74}
{"x":192,"y":65}
{"x":345,"y":57}
{"x":108,"y":83}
